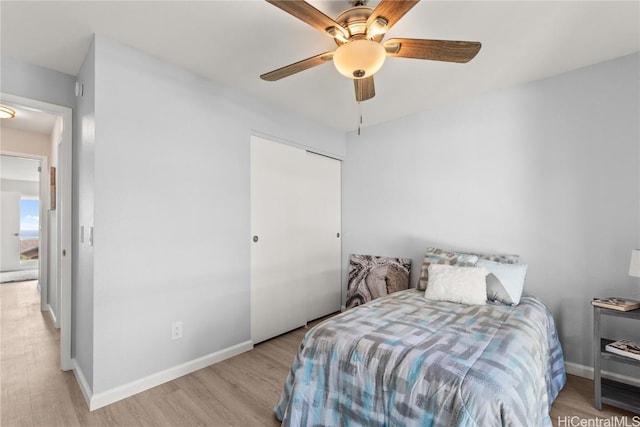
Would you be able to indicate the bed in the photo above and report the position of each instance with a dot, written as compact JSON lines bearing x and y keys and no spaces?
{"x":403,"y":360}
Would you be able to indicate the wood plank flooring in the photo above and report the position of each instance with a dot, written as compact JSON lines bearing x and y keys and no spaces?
{"x":240,"y":391}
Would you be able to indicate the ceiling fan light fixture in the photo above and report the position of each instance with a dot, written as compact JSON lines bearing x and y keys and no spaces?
{"x":6,"y":112}
{"x":359,"y":58}
{"x":338,"y":33}
{"x":377,"y":28}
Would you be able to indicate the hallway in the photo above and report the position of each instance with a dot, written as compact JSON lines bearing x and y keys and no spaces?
{"x":34,"y":390}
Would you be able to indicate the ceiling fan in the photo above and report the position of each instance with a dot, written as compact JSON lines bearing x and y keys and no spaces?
{"x":358,"y":32}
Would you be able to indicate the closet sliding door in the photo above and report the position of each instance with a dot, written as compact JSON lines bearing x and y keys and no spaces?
{"x":322,"y":234}
{"x":278,"y":301}
{"x":295,"y":248}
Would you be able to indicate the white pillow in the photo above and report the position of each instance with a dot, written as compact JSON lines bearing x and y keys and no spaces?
{"x":465,"y":285}
{"x":505,"y":279}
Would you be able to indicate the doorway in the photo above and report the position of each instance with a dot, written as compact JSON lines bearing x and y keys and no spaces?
{"x":20,"y":239}
{"x":19,"y":140}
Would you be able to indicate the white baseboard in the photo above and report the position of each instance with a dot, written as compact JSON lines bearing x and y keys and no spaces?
{"x":82,"y":382}
{"x":98,"y":400}
{"x":53,"y":317}
{"x":587,"y":372}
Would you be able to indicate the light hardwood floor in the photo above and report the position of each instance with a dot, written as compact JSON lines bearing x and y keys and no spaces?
{"x":240,"y":391}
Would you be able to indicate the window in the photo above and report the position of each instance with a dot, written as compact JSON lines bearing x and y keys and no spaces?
{"x":29,"y":229}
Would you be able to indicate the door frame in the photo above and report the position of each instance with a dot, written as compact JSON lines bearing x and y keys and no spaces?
{"x":65,"y":211}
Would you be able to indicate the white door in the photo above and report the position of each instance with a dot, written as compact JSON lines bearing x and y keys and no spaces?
{"x":10,"y":240}
{"x":278,"y":302}
{"x":322,"y":246}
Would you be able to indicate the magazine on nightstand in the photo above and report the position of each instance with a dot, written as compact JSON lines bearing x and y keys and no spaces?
{"x":624,"y":348}
{"x":615,"y":303}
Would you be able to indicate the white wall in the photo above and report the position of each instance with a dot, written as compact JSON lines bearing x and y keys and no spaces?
{"x":25,"y":188}
{"x":548,"y":170}
{"x":172,"y":218}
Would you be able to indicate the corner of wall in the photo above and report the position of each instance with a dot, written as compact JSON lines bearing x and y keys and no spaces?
{"x":85,"y":388}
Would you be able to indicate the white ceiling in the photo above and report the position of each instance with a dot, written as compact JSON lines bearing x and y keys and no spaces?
{"x":233,"y":42}
{"x":30,"y":120}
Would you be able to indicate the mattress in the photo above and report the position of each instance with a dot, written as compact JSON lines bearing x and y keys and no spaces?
{"x":402,"y":360}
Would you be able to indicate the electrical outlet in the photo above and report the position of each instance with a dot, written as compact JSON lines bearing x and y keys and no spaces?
{"x":176,"y":330}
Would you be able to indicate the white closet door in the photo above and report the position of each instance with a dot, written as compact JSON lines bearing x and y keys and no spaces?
{"x":10,"y":239}
{"x":322,"y":245}
{"x":278,"y":301}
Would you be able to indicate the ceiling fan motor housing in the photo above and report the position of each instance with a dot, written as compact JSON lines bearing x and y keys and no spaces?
{"x":354,"y":20}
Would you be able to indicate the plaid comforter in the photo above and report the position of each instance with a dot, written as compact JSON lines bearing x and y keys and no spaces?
{"x":402,"y":360}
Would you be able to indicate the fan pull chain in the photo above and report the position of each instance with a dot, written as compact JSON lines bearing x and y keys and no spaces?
{"x":360,"y":112}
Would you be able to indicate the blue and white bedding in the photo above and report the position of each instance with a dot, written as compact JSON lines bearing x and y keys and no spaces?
{"x":403,"y":360}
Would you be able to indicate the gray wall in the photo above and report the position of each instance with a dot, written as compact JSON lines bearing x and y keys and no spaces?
{"x":42,"y":84}
{"x":547,"y":170}
{"x":83,"y":160}
{"x":171,"y":211}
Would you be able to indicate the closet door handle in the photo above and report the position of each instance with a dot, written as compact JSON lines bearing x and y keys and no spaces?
{"x":255,"y":239}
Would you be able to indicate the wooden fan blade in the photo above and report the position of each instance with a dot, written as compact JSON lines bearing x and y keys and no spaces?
{"x":306,"y":13}
{"x":296,"y":67}
{"x":391,"y":11}
{"x":365,"y":89}
{"x":436,"y":50}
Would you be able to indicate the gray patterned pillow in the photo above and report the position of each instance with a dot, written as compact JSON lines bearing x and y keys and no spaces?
{"x":442,"y":256}
{"x":502,"y":259}
{"x":463,"y":259}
